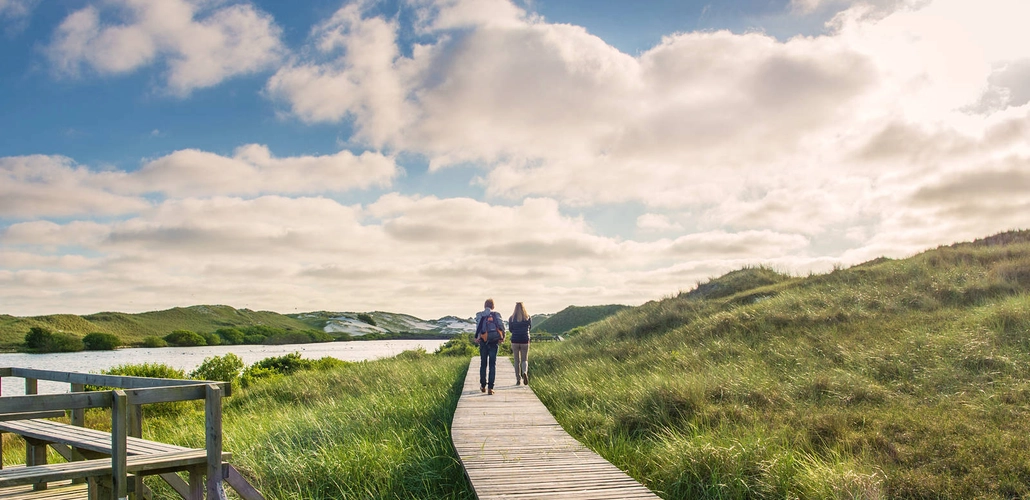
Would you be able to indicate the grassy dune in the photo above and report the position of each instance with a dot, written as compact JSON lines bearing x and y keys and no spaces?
{"x":893,"y":379}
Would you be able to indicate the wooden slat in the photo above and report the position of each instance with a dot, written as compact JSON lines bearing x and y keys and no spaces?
{"x":82,"y":437}
{"x":141,"y":464}
{"x":119,"y":381}
{"x":34,"y":414}
{"x":55,"y":491}
{"x":512,"y":447}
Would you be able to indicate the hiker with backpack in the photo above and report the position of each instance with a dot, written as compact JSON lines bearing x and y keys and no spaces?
{"x":519,"y":324}
{"x":489,"y":334}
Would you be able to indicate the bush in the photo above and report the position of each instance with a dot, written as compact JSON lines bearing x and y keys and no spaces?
{"x":212,"y":338}
{"x":328,"y":363}
{"x":99,"y":341}
{"x":367,"y":318}
{"x":152,"y":341}
{"x":40,"y":339}
{"x":225,"y":368}
{"x":154,"y":370}
{"x":254,"y":373}
{"x":459,"y":345}
{"x":230,"y":335}
{"x":185,"y":338}
{"x":285,"y":364}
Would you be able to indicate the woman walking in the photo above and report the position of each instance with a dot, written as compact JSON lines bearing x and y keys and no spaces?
{"x":519,"y":324}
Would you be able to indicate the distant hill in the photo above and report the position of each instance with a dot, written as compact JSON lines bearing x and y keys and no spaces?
{"x":383,"y":323}
{"x":132,"y":328}
{"x":574,"y":316}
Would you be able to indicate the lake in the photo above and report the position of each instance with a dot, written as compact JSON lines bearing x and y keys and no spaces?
{"x":188,"y":358}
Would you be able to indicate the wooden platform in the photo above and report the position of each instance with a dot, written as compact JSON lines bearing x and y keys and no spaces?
{"x":511,"y":447}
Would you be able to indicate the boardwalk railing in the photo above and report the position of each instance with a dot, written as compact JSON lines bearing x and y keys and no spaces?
{"x":86,"y":450}
{"x":512,"y":447}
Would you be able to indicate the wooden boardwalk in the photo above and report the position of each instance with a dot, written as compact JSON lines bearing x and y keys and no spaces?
{"x":511,"y":447}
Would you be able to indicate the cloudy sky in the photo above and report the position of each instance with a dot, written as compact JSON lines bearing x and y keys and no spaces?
{"x":418,"y":156}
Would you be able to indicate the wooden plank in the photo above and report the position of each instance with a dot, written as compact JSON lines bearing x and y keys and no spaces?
{"x":33,"y":414}
{"x":512,"y":447}
{"x":51,"y":402}
{"x":118,"y":381}
{"x":82,"y":437}
{"x":55,"y":492}
{"x":140,"y":464}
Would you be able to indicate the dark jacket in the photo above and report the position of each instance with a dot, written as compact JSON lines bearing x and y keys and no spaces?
{"x":519,"y":330}
{"x":497,"y":319}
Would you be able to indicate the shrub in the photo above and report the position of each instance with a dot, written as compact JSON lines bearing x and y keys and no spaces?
{"x":253,"y":373}
{"x":99,"y":341}
{"x":328,"y":363}
{"x":230,"y":335}
{"x":152,"y":341}
{"x":226,"y":368}
{"x":367,"y":318}
{"x":154,"y":370}
{"x":212,"y":338}
{"x":185,"y":338}
{"x":459,"y":345}
{"x":285,"y":364}
{"x":40,"y":339}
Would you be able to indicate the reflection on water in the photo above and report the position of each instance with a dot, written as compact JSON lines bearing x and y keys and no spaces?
{"x":188,"y":358}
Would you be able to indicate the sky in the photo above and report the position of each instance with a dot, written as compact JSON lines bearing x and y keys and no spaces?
{"x":419,"y":156}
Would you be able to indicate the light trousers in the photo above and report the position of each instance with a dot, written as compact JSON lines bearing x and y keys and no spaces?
{"x":520,"y":353}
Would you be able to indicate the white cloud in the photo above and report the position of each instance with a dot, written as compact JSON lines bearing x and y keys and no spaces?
{"x":252,"y":170}
{"x":199,"y":46}
{"x":441,"y":255}
{"x":810,"y":136}
{"x":53,"y":186}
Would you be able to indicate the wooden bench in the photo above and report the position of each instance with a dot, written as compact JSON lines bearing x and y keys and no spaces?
{"x":115,"y":461}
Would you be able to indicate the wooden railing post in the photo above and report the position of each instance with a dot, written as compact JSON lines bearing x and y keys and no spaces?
{"x":119,"y":431}
{"x":213,"y":430}
{"x":35,"y":452}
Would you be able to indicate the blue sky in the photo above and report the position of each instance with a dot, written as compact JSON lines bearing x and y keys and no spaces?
{"x":417,"y":156}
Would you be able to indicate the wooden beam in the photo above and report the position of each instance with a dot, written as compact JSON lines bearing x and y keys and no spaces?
{"x":119,"y":431}
{"x":51,"y":402}
{"x":213,"y":426}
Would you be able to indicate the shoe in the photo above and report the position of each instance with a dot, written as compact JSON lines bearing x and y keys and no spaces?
{"x":482,"y":389}
{"x":525,"y":378}
{"x":518,"y":381}
{"x":491,"y":392}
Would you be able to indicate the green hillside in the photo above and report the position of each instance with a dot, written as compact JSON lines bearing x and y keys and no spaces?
{"x":132,"y":328}
{"x":575,"y":316}
{"x":892,"y":379}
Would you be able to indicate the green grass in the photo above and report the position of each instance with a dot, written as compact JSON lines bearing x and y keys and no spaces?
{"x":894,"y":379}
{"x":376,"y":429}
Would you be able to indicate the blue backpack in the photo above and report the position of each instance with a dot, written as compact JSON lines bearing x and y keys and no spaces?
{"x":488,"y":328}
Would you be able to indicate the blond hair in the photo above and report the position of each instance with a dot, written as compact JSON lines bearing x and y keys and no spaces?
{"x":520,"y":313}
{"x":489,"y":304}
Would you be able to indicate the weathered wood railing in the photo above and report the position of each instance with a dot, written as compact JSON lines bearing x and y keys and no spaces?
{"x":20,"y":414}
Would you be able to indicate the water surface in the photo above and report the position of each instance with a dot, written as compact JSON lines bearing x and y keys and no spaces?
{"x":188,"y":358}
